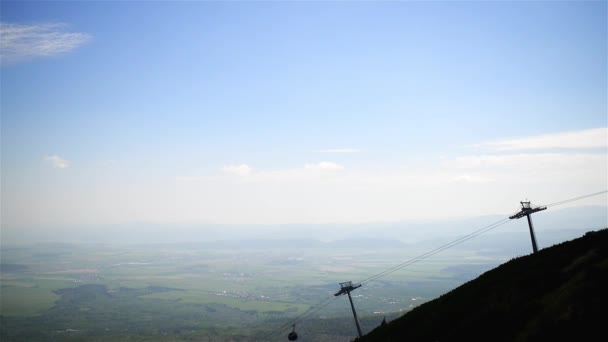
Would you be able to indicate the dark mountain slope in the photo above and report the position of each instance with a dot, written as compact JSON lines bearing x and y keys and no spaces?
{"x":557,"y":294}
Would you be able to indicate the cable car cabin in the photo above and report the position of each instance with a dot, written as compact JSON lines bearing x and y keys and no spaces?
{"x":292,"y":335}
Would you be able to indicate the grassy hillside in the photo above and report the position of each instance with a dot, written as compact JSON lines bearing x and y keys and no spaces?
{"x":557,"y":294}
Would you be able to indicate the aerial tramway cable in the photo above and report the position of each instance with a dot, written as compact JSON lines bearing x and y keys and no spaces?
{"x":466,"y":238}
{"x":318,"y":307}
{"x":321,"y":305}
{"x":575,"y":199}
{"x":302,"y":317}
{"x":436,"y":250}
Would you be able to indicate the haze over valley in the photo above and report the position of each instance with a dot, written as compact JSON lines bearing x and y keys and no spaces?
{"x":212,"y":171}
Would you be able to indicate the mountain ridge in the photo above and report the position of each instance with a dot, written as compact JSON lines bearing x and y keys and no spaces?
{"x":557,"y":294}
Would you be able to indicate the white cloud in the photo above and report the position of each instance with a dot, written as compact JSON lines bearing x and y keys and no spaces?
{"x":324,"y":166}
{"x":57,"y":162}
{"x":19,"y":42}
{"x":546,"y":161}
{"x":340,"y":150}
{"x":458,"y":187}
{"x":326,"y":192}
{"x":239,"y":170}
{"x":550,"y":172}
{"x":589,"y":138}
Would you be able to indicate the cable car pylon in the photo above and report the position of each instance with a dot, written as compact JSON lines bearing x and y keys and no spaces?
{"x":527,"y":210}
{"x":347,"y":287}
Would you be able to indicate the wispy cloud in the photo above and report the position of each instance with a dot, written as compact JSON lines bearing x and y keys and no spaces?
{"x":239,"y":170}
{"x":323,"y":192}
{"x":529,"y":161}
{"x":324,"y":166}
{"x":57,"y":162}
{"x":340,"y":150}
{"x":19,"y":42}
{"x":589,"y":138}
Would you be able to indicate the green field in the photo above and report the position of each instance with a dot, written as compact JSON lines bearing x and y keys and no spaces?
{"x":190,"y":292}
{"x":25,"y":300}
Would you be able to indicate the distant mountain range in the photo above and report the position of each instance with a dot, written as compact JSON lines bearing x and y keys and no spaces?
{"x":576,"y":220}
{"x":557,"y":294}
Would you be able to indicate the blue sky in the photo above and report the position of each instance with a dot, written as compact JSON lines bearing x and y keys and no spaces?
{"x":304,"y":112}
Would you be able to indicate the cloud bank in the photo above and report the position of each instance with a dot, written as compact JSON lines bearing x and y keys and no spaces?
{"x":462,"y":185}
{"x":589,"y":138}
{"x":239,"y":170}
{"x":20,"y":42}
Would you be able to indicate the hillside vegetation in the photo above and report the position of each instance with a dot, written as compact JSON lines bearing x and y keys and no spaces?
{"x":557,"y":294}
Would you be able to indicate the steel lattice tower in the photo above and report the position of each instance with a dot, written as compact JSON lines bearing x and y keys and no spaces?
{"x":347,"y":287}
{"x":527,"y":210}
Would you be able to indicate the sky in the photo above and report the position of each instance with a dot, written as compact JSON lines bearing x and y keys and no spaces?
{"x":298,"y":112}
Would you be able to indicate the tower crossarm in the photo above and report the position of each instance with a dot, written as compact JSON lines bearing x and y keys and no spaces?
{"x":518,"y":215}
{"x":526,"y":211}
{"x":346,"y":287}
